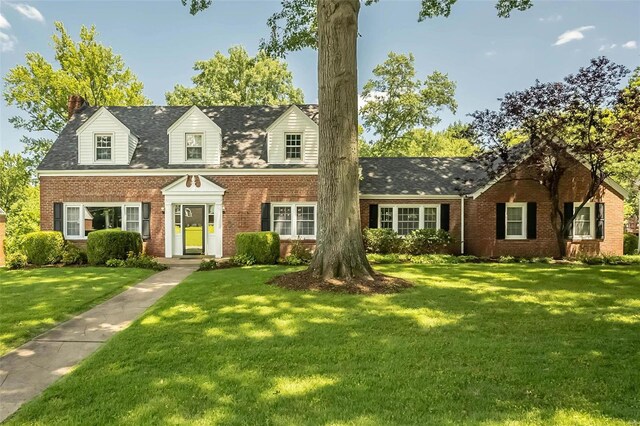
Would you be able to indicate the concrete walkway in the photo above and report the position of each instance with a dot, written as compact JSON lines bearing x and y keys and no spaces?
{"x":30,"y":369}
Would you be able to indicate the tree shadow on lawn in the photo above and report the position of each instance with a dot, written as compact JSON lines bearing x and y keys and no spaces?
{"x":468,"y":344}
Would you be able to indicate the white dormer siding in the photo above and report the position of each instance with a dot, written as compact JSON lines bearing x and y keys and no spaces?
{"x":194,"y":122}
{"x":101,"y":127}
{"x":293,"y":122}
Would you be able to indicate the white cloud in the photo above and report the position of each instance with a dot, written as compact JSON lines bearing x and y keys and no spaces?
{"x":7,"y":42}
{"x":631,"y":44}
{"x":552,"y":18}
{"x":607,"y":47}
{"x":372,"y":97}
{"x":4,"y":24}
{"x":571,"y":35}
{"x":490,"y":53}
{"x":28,"y":12}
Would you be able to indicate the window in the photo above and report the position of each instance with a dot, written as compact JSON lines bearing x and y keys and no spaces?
{"x":516,"y":220}
{"x":294,"y":220}
{"x":404,"y":219}
{"x":132,"y":215}
{"x":584,"y":223}
{"x":211,"y":219}
{"x":177,"y":219}
{"x":103,"y":147}
{"x":293,"y":146}
{"x":408,"y":220}
{"x":73,"y":221}
{"x":193,"y":143}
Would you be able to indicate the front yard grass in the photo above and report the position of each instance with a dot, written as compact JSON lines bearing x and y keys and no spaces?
{"x":470,"y":344}
{"x":34,"y":300}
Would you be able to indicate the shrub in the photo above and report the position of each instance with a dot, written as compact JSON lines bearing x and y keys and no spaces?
{"x":426,"y":241}
{"x":294,"y":261}
{"x":208,"y":265}
{"x":43,"y":247}
{"x":115,"y":263}
{"x":243,"y":260}
{"x":381,"y":240}
{"x":143,"y":261}
{"x":108,"y":244}
{"x":72,"y":255}
{"x":301,"y":252}
{"x":263,"y":247}
{"x":16,"y":261}
{"x":630,"y":244}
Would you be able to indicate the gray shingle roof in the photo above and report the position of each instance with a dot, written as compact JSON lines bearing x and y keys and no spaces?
{"x":422,"y":175}
{"x":244,"y":138}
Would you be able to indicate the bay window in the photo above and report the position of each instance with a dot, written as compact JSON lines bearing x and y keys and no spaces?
{"x":294,"y":220}
{"x":404,"y":219}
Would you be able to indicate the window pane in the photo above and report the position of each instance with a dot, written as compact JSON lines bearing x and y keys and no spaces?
{"x":132,"y":219}
{"x":96,"y":218}
{"x":386,"y":217}
{"x":194,"y":153}
{"x":408,"y":220}
{"x":282,"y":220}
{"x":584,"y":214}
{"x":293,"y":146}
{"x":194,"y":140}
{"x":514,"y":213}
{"x":582,"y":223}
{"x":430,"y":217}
{"x":103,"y":147}
{"x":514,"y":228}
{"x":305,"y":220}
{"x":73,"y":221}
{"x":282,"y":228}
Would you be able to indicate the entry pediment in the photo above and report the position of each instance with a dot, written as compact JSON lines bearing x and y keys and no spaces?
{"x":193,"y":185}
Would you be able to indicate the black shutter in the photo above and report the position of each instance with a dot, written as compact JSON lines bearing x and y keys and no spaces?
{"x":444,"y":217}
{"x":265,"y":217}
{"x":501,"y":212}
{"x":58,"y":217}
{"x":599,"y":221}
{"x":373,"y":215}
{"x":146,"y":223}
{"x":568,"y":214}
{"x":532,"y":228}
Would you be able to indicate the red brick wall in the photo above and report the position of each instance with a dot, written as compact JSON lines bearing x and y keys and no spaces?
{"x":480,"y":217}
{"x":454,"y":215}
{"x":242,"y":199}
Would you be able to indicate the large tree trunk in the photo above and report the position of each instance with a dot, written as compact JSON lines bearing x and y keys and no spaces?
{"x":340,"y":250}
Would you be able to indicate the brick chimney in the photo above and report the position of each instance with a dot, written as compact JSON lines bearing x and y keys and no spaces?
{"x":75,"y":103}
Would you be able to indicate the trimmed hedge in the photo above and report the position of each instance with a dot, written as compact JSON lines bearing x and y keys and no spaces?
{"x":264,"y":247}
{"x":630,"y":244}
{"x":381,"y":240}
{"x":43,"y":247}
{"x":108,"y":244}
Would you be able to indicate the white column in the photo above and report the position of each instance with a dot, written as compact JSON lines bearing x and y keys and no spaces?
{"x":168,"y":229}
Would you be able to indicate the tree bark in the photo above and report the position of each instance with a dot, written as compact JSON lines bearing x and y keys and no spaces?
{"x":340,"y":250}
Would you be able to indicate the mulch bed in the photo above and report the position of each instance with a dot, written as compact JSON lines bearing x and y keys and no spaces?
{"x":305,"y":281}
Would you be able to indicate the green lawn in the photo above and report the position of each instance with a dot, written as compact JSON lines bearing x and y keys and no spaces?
{"x":34,"y":300}
{"x":470,"y":344}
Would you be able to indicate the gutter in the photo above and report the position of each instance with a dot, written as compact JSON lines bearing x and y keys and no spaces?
{"x":462,"y":224}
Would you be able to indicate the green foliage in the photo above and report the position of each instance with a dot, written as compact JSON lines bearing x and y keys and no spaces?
{"x":294,"y":261}
{"x":139,"y":260}
{"x":243,"y":260}
{"x":86,"y":68}
{"x":426,"y":241}
{"x":16,"y":261}
{"x":208,"y":265}
{"x":609,"y":259}
{"x":397,"y":102}
{"x":43,"y":247}
{"x":108,"y":244}
{"x":14,"y":179}
{"x":264,"y":247}
{"x":24,"y":218}
{"x":115,"y":263}
{"x":238,"y":79}
{"x":381,"y":240}
{"x":34,"y":151}
{"x":73,"y":255}
{"x":299,"y":255}
{"x":630,"y":244}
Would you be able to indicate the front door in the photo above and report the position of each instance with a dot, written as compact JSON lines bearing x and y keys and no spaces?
{"x":193,"y":229}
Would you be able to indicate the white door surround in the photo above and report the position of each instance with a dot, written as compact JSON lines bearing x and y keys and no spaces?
{"x":193,"y":190}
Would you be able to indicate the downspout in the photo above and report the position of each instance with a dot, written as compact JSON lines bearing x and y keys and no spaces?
{"x":462,"y":224}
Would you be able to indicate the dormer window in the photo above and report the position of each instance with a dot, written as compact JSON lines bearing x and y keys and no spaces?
{"x":193,"y":143}
{"x":104,"y":147}
{"x":293,"y":146}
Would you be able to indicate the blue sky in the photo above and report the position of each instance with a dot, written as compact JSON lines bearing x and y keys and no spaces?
{"x":487,"y":56}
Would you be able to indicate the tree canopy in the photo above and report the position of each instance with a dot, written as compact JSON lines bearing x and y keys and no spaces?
{"x":238,"y":79}
{"x":14,"y":179}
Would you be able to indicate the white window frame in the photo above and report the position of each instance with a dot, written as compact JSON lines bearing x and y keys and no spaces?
{"x":194,"y":160}
{"x":523,"y":234}
{"x":84,"y":205}
{"x":592,"y":222}
{"x":294,"y":220}
{"x":80,"y":222}
{"x":294,"y":160}
{"x":95,"y":147}
{"x":395,"y":208}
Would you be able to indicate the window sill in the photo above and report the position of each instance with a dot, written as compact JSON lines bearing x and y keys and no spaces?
{"x":518,"y":238}
{"x":296,"y":238}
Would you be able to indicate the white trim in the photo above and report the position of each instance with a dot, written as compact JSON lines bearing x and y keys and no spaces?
{"x":294,"y":219}
{"x":284,"y":114}
{"x":95,"y":116}
{"x":186,"y":114}
{"x":179,"y":189}
{"x":523,"y":234}
{"x":86,"y":204}
{"x":407,"y":197}
{"x":462,"y":224}
{"x":180,"y":172}
{"x":294,"y":160}
{"x":592,"y":222}
{"x":111,"y":160}
{"x":420,"y":208}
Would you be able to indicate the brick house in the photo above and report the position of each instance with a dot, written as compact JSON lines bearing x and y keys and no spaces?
{"x":188,"y":179}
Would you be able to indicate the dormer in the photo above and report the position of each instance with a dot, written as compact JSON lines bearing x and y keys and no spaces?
{"x":293,"y":139}
{"x":194,"y":139}
{"x":103,"y":139}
